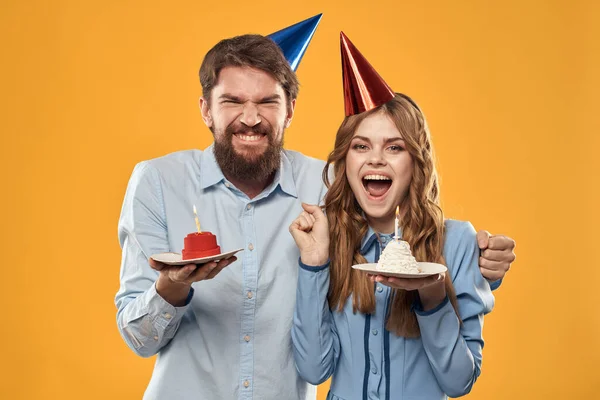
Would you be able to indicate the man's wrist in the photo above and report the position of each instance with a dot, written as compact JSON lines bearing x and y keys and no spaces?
{"x":174,"y":293}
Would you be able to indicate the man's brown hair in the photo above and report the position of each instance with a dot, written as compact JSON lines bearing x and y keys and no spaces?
{"x":255,"y":51}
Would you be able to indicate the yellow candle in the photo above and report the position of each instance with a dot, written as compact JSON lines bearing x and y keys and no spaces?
{"x":196,"y":218}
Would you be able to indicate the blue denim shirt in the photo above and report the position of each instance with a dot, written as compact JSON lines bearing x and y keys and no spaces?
{"x":368,"y":362}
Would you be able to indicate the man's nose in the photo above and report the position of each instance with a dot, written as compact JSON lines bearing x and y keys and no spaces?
{"x":250,"y":116}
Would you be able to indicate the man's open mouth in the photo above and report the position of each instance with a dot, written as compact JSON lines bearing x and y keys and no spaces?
{"x":252,"y":137}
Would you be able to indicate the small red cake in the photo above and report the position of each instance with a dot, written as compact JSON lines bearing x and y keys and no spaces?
{"x":198,"y":245}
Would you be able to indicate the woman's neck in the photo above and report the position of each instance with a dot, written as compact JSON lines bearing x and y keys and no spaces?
{"x":386,"y":224}
{"x":382,"y":225}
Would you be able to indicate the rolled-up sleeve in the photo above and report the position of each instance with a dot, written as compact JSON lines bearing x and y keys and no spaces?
{"x":145,"y":320}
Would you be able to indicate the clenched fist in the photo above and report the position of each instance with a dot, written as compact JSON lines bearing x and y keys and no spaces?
{"x":311,"y":234}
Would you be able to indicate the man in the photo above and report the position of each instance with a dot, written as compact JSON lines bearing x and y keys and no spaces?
{"x":231,"y":319}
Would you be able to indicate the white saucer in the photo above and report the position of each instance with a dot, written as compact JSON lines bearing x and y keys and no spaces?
{"x":175,"y":258}
{"x":427,"y":268}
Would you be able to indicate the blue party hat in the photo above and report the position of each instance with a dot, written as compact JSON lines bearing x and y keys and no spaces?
{"x":294,"y":39}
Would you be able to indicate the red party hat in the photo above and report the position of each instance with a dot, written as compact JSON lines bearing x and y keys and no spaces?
{"x":364,"y":89}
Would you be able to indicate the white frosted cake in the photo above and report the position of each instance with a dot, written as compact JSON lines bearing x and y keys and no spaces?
{"x":397,"y":258}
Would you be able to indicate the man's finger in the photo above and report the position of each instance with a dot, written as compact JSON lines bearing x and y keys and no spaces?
{"x":501,"y":242}
{"x":493,"y":265}
{"x":229,"y":260}
{"x":491,"y":275}
{"x":483,"y":239}
{"x":215,"y":271}
{"x":183,"y":273}
{"x":203,"y":271}
{"x":498,"y":255}
{"x":226,"y":262}
{"x":212,"y":271}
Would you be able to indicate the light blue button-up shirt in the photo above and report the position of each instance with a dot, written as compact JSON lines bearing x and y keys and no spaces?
{"x":367,"y":361}
{"x":232,"y":339}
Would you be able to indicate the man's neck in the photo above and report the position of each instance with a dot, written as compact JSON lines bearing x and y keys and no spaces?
{"x":251,"y":188}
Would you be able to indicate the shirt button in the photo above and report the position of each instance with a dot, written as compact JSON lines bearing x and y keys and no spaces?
{"x":250,"y":247}
{"x":247,"y":338}
{"x":379,"y":289}
{"x":155,"y":337}
{"x":168,"y":316}
{"x":374,"y":370}
{"x":246,"y":383}
{"x":249,"y":206}
{"x":227,"y":184}
{"x":374,"y":332}
{"x":250,"y":295}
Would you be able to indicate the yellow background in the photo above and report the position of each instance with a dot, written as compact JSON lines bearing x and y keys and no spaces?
{"x":89,"y":88}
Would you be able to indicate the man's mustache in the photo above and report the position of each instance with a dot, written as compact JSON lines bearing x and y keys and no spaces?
{"x":241,"y":128}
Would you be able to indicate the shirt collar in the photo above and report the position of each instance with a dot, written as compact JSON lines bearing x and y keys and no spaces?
{"x":285,"y":176}
{"x":370,"y":238}
{"x":210,"y":172}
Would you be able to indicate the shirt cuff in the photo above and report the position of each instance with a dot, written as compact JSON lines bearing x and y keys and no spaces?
{"x":161,"y":311}
{"x":418,"y":307}
{"x":495,"y":284}
{"x":316,"y":268}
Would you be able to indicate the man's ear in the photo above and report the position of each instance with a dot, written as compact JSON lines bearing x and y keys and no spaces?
{"x":203,"y":103}
{"x":290,"y":113}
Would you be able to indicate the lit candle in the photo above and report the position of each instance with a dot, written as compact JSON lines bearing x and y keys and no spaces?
{"x":396,"y":223}
{"x":196,"y":218}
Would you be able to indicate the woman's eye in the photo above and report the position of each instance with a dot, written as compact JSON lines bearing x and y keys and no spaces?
{"x":396,"y":148}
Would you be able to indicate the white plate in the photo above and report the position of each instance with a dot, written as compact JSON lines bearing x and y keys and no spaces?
{"x":175,"y":258}
{"x":427,"y":268}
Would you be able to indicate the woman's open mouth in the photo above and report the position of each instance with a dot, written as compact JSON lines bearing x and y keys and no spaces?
{"x":376,"y":185}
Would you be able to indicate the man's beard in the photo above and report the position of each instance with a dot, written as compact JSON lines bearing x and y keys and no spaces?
{"x":248,"y":168}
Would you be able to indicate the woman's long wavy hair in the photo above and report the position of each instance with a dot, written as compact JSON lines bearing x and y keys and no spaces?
{"x":422,"y":219}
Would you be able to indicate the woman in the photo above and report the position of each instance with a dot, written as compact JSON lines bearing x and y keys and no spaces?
{"x":378,"y":337}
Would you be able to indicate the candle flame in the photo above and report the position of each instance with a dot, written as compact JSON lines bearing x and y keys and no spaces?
{"x":397,"y":211}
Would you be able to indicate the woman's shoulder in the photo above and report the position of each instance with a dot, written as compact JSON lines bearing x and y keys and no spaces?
{"x":460,"y":244}
{"x":455,"y":229}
